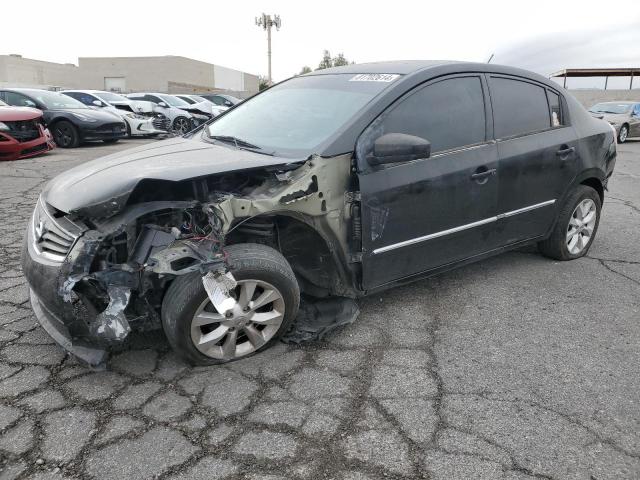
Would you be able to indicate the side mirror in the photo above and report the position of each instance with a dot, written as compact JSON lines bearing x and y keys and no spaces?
{"x":162,"y":104}
{"x":98,"y":103}
{"x":227,"y":103}
{"x":399,"y":147}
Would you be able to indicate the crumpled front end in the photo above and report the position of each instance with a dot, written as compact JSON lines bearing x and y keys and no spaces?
{"x":93,"y":280}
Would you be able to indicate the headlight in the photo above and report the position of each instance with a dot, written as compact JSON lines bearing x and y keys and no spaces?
{"x":84,"y":118}
{"x":136,"y":116}
{"x":4,"y":127}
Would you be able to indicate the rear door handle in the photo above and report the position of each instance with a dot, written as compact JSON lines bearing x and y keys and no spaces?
{"x":565,"y":152}
{"x":481,"y":175}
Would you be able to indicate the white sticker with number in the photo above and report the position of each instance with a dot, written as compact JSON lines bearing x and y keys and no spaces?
{"x":374,"y":77}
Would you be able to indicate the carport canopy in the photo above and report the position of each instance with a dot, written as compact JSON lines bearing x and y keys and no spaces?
{"x":598,"y":72}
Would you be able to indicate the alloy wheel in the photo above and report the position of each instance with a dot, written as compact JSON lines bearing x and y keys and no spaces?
{"x":63,"y":135}
{"x":581,"y":226}
{"x":624,"y":133}
{"x":181,"y":125}
{"x":254,"y":319}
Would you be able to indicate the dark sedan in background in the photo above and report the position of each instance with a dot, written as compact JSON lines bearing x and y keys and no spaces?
{"x":69,"y":121}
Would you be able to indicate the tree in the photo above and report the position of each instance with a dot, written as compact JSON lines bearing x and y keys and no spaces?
{"x":339,"y":61}
{"x":304,"y":70}
{"x":263,"y":83}
{"x":326,"y":62}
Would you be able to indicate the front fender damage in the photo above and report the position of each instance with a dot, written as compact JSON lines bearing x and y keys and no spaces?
{"x":120,"y":269}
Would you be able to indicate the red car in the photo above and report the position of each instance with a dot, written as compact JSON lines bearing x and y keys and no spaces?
{"x":22,"y":133}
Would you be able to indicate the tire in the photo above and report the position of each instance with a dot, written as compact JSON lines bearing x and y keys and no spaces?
{"x":181,"y":125}
{"x":559,"y":244}
{"x":65,"y":134}
{"x":111,"y":140}
{"x":623,"y":134}
{"x":186,"y":300}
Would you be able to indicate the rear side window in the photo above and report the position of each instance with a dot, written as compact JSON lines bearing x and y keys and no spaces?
{"x":450,"y":114}
{"x":518,"y":107}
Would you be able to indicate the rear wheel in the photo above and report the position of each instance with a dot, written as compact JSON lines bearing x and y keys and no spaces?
{"x":623,"y":134}
{"x":576,"y":226}
{"x":65,"y":134}
{"x":266,"y":302}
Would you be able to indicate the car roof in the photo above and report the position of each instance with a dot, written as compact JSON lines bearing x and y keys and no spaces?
{"x":403,"y":67}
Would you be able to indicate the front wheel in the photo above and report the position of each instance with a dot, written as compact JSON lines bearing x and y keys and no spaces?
{"x":266,"y":302}
{"x":576,"y":226}
{"x":181,"y":125}
{"x":65,"y":134}
{"x":623,"y":134}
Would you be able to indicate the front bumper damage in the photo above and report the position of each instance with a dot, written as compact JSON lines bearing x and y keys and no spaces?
{"x":88,"y":300}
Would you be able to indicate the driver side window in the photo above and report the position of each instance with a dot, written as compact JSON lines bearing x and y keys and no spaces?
{"x":450,"y":114}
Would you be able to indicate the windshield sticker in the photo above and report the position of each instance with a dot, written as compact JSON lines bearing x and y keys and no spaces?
{"x":374,"y":77}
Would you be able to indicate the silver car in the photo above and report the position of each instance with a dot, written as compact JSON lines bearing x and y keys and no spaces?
{"x":182,"y":121}
{"x":623,"y":116}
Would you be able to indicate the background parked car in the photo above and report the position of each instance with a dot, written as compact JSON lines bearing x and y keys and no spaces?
{"x":22,"y":133}
{"x":197,"y":101}
{"x":221,"y":99}
{"x":624,"y":116}
{"x":69,"y":121}
{"x":181,"y":120}
{"x":138,"y":115}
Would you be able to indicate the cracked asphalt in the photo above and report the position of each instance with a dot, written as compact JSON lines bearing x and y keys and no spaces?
{"x":514,"y":368}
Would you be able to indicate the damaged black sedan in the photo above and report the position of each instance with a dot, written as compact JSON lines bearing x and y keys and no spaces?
{"x":331,"y":186}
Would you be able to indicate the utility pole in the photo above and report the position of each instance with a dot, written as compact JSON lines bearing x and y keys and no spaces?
{"x":266,"y":22}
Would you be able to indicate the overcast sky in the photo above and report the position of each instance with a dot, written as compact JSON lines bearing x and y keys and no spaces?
{"x":543,"y":36}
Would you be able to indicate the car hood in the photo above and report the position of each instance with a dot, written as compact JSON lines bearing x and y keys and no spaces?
{"x":101,"y":187}
{"x":614,"y":117}
{"x":99,"y":115}
{"x":138,"y":106}
{"x":16,"y":114}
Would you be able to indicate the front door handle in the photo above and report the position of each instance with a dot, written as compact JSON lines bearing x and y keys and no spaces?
{"x":481,"y":176}
{"x":565,"y":151}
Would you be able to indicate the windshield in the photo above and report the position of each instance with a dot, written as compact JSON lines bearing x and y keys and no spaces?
{"x":198,"y":98}
{"x":53,"y":100}
{"x":190,"y":101}
{"x":611,"y":108}
{"x":112,"y":97}
{"x":297,"y":116}
{"x":174,"y":101}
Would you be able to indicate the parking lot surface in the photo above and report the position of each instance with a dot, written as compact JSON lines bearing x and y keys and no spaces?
{"x":513,"y":368}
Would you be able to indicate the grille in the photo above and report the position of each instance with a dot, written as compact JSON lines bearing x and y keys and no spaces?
{"x":24,"y":131}
{"x":50,"y":238}
{"x":38,"y":148}
{"x":111,"y":127}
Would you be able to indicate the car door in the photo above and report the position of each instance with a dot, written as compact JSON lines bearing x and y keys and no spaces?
{"x":421,"y":214}
{"x":634,"y":121}
{"x":538,"y":156}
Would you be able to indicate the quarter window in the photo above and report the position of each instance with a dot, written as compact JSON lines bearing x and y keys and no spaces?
{"x":556,"y":111}
{"x":518,"y":107}
{"x":450,"y":114}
